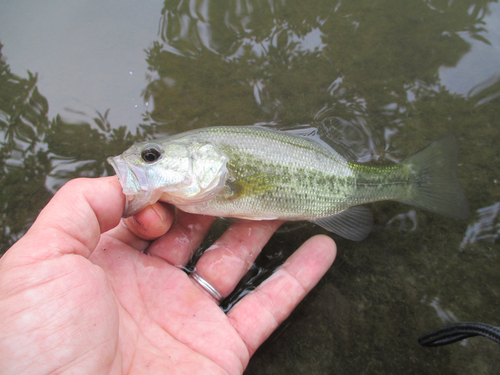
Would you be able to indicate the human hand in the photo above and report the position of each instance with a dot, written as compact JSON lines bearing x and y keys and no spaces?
{"x":78,"y":295}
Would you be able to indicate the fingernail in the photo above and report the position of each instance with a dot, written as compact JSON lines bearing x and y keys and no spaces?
{"x":159,"y":211}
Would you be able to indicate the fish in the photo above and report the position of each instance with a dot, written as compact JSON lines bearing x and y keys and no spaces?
{"x":257,"y":173}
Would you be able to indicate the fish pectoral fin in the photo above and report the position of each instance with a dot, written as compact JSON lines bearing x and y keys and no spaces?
{"x":355,"y":223}
{"x":254,"y":184}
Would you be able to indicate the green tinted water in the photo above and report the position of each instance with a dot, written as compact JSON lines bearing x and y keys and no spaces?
{"x":402,"y":73}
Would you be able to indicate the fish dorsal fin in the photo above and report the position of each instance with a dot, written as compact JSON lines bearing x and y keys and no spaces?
{"x":355,"y":223}
{"x":333,"y":134}
{"x":343,"y":136}
{"x":255,"y":184}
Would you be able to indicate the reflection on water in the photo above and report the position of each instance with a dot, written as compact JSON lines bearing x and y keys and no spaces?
{"x":481,"y":63}
{"x":88,"y":55}
{"x":445,"y":315}
{"x":374,"y":78}
{"x":487,"y":90}
{"x":404,"y":222}
{"x":486,"y":228}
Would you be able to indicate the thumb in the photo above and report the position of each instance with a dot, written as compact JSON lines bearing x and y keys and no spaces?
{"x":73,"y":220}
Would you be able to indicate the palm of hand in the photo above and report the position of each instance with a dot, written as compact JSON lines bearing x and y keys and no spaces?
{"x":167,"y":324}
{"x":78,"y":295}
{"x":122,"y":311}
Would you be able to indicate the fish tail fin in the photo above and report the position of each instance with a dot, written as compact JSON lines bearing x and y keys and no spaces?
{"x":436,"y":187}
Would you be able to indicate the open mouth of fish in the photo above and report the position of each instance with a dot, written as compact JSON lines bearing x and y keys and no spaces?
{"x":134,"y":183}
{"x":129,"y":180}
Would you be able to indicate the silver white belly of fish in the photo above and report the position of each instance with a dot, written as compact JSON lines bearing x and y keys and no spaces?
{"x":256,"y":173}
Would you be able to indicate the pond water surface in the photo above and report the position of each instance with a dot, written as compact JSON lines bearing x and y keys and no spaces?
{"x":83,"y":80}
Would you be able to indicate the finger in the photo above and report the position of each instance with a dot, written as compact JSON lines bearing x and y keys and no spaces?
{"x":73,"y":220}
{"x":139,"y":230}
{"x":260,"y":312}
{"x":178,"y":245}
{"x":230,"y":257}
{"x":152,"y":222}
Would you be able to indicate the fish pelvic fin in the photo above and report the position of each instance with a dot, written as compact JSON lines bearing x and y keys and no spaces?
{"x":355,"y":223}
{"x":435,"y":186}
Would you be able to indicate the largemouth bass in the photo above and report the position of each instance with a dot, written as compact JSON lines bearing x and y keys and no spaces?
{"x":256,"y":173}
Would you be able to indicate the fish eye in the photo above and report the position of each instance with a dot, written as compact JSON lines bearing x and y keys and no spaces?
{"x":151,"y":153}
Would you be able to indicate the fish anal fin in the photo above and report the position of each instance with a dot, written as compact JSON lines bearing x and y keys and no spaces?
{"x":355,"y":223}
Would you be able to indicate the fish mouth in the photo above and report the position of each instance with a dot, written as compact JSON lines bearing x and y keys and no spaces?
{"x":136,"y":197}
{"x":128,"y":179}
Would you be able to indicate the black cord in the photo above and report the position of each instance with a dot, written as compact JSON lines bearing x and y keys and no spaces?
{"x":459,"y":331}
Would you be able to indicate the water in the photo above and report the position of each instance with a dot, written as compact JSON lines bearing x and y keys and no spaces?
{"x":402,"y":73}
